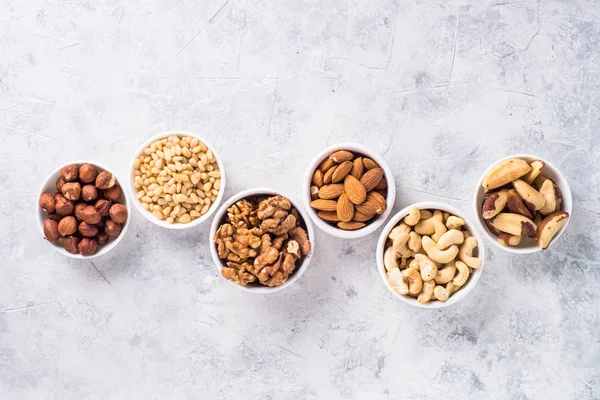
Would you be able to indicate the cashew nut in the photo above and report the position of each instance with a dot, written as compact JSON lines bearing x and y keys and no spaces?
{"x":397,"y":282}
{"x":414,"y":264}
{"x":427,"y":267}
{"x":463,"y":274}
{"x":397,"y":230}
{"x":454,"y":222}
{"x":445,"y":275}
{"x":438,"y":223}
{"x":390,"y":261}
{"x":399,"y":245}
{"x":453,"y":236}
{"x":414,"y":241}
{"x":415,"y":283}
{"x":466,"y":252}
{"x":445,"y":215}
{"x":427,"y":292}
{"x":442,"y":293}
{"x":437,"y":255}
{"x":413,"y":216}
{"x":403,"y":263}
{"x":425,"y":214}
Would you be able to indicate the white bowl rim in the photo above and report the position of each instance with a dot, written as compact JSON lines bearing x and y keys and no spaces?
{"x":391,"y":190}
{"x":565,"y":191}
{"x":471,"y":283}
{"x":254,"y":192}
{"x":40,"y":213}
{"x":148,"y":215}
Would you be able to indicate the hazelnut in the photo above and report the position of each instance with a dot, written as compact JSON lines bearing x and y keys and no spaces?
{"x":87,"y":173}
{"x":51,"y":231}
{"x":102,"y":238}
{"x":67,"y":226}
{"x":59,"y":184}
{"x":79,"y":211}
{"x":91,"y":215}
{"x":89,"y":193}
{"x":87,"y":230}
{"x":114,"y":193}
{"x":87,"y":247}
{"x":69,"y":173}
{"x":112,"y":228}
{"x":118,"y":213}
{"x":103,"y":206}
{"x":101,"y":224}
{"x":47,"y":202}
{"x":64,"y":207}
{"x":71,"y":190}
{"x":55,"y":217}
{"x":105,"y":180}
{"x":70,"y":244}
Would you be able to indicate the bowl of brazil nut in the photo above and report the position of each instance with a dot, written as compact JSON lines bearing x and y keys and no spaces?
{"x":261,"y":240}
{"x":82,"y":210}
{"x":177,"y":180}
{"x":348,"y":190}
{"x":429,"y":255}
{"x":523,"y":203}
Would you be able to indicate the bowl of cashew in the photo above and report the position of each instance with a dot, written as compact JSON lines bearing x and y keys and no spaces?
{"x":429,"y":255}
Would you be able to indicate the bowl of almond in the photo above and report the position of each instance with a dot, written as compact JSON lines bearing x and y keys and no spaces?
{"x":349,"y":190}
{"x":523,"y":203}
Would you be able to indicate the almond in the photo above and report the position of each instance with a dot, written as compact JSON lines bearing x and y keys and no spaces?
{"x":381,"y":185}
{"x":324,"y":205}
{"x":332,"y":191}
{"x":371,"y":178}
{"x":370,"y":206}
{"x":317,"y":178}
{"x":381,"y":200}
{"x":329,"y":174}
{"x":351,"y":226}
{"x":341,"y":156}
{"x":314,"y":192}
{"x":355,"y":190}
{"x":358,"y":168}
{"x":360,"y":217}
{"x":370,"y":164}
{"x":326,"y":164}
{"x":345,"y":208}
{"x":341,"y":171}
{"x":330,"y":216}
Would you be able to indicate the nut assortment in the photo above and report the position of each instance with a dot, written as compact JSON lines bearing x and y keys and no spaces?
{"x":348,"y":190}
{"x":429,"y":255}
{"x":261,"y":241}
{"x":521,"y":202}
{"x":177,"y":178}
{"x":85,"y":211}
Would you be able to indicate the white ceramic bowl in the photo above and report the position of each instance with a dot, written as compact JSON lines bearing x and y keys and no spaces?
{"x":377,"y":221}
{"x":220,"y":218}
{"x":147,"y":214}
{"x":527,"y":245}
{"x":50,"y":187}
{"x":479,"y":252}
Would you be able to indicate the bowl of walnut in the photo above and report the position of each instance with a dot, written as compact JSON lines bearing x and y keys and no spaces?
{"x":349,"y":190}
{"x":177,"y":180}
{"x":82,"y":210}
{"x":261,"y":241}
{"x":429,"y":255}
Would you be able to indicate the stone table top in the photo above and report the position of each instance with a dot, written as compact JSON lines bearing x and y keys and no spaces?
{"x":441,"y":88}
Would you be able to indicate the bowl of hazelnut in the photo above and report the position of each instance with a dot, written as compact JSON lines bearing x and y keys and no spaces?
{"x":261,"y":241}
{"x":349,"y":190}
{"x":82,"y":210}
{"x":177,"y":180}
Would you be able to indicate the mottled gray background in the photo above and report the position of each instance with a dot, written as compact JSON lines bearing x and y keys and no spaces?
{"x":441,"y":87}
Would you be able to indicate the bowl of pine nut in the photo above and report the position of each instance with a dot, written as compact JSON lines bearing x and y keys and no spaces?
{"x":177,"y":180}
